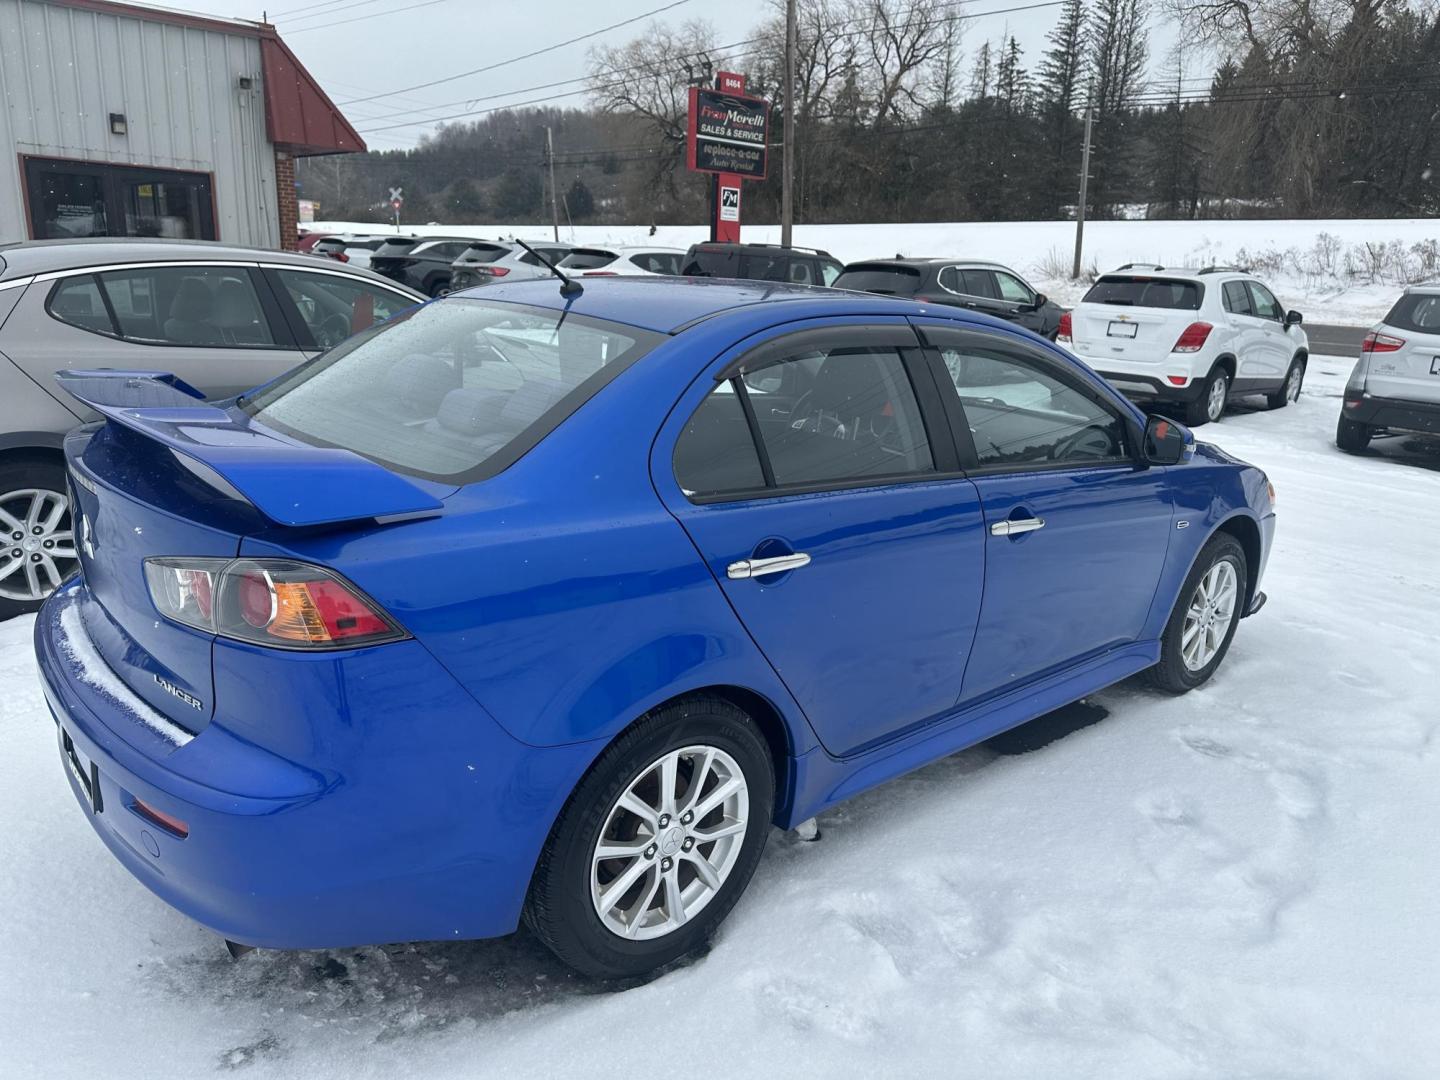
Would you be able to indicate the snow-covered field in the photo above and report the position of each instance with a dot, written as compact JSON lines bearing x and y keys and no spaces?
{"x":1322,"y":267}
{"x":1239,"y":883}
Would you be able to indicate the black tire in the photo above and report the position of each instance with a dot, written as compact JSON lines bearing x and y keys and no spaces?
{"x":1171,"y":673}
{"x":1352,"y":436}
{"x":438,"y":287}
{"x":20,"y":474}
{"x":559,"y":909}
{"x":1197,"y":412}
{"x":1287,"y":391}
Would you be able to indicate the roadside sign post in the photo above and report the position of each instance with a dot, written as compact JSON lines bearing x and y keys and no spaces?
{"x":727,"y":138}
{"x":397,"y":200}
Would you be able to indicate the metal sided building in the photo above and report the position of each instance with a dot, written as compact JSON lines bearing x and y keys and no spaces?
{"x":118,"y":119}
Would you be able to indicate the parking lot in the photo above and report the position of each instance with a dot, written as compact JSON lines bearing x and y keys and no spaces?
{"x":1237,"y":882}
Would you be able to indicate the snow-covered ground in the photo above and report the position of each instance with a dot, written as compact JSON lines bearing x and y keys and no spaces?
{"x":1238,"y":883}
{"x":1346,"y":271}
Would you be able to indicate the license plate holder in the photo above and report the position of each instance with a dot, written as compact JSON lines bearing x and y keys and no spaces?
{"x":86,"y":773}
{"x":1121,"y":329}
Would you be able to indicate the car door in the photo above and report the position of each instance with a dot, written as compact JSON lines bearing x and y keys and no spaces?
{"x":213,"y":324}
{"x":1020,"y":299}
{"x":1272,"y":358}
{"x":839,"y":529}
{"x":975,"y":289}
{"x":1076,"y":530}
{"x":1246,"y":330}
{"x":324,"y":308}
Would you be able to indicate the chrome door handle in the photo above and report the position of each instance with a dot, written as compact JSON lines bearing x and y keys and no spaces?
{"x":753,"y":568}
{"x":1016,"y":527}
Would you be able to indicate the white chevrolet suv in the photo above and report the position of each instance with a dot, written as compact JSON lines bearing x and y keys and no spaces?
{"x":1395,"y":387}
{"x":1196,"y":337}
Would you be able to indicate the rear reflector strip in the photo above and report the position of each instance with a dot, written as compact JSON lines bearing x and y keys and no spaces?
{"x":171,"y":824}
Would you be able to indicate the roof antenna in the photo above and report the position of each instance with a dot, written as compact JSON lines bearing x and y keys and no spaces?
{"x":568,"y":285}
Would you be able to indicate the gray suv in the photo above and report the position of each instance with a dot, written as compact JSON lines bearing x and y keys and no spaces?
{"x":1395,"y":387}
{"x":223,"y":318}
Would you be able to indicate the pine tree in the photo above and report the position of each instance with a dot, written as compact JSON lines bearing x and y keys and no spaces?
{"x":1061,"y":71}
{"x":984,"y":72}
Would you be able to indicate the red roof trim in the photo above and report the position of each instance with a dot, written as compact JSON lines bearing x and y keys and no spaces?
{"x":299,"y":115}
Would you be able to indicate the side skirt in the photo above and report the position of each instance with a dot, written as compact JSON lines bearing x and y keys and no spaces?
{"x":821,"y":781}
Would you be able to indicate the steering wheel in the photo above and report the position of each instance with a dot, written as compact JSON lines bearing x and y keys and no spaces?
{"x":1092,"y":442}
{"x":823,"y":422}
{"x":332,"y":331}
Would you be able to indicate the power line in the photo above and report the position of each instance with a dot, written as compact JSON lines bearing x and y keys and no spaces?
{"x":362,"y":18}
{"x":719,"y":49}
{"x":526,"y":56}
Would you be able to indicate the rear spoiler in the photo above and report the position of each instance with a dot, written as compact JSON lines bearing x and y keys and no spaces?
{"x":291,"y":483}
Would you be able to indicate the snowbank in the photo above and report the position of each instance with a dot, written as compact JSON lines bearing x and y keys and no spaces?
{"x":1345,"y":271}
{"x":1239,"y":882}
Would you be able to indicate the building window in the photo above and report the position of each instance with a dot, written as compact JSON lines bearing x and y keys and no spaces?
{"x":86,"y":198}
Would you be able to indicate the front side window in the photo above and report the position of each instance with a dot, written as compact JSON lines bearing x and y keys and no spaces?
{"x":829,"y":271}
{"x":200,"y":306}
{"x":1020,"y":414}
{"x":452,"y":392}
{"x":1264,"y":302}
{"x":1013,"y":289}
{"x":333,"y":308}
{"x":823,"y":414}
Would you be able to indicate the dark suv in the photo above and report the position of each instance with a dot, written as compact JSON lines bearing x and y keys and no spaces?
{"x":762,"y":262}
{"x":421,"y":262}
{"x":981,"y":286}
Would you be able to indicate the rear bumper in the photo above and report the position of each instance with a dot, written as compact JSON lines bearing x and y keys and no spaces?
{"x":391,"y":826}
{"x":1422,"y":417}
{"x":1142,"y":381}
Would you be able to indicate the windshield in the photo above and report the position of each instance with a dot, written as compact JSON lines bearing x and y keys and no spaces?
{"x":1146,"y":292}
{"x":453,"y":391}
{"x":587,"y":259}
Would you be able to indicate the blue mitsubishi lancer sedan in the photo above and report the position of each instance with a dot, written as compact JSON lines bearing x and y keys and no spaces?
{"x":547,"y":603}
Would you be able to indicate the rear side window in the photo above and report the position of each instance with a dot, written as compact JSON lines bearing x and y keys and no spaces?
{"x":1416,"y":312}
{"x":1130,"y":290}
{"x":452,"y":392}
{"x":715,"y":453}
{"x":77,"y":301}
{"x":978,"y":283}
{"x":1237,"y":300}
{"x":208,"y":306}
{"x":764,"y":267}
{"x":825,"y":415}
{"x":889,"y":280}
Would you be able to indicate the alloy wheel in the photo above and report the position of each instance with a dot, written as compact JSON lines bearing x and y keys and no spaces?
{"x":38,"y":544}
{"x":1208,"y":618}
{"x":669,"y":842}
{"x":1215,"y":402}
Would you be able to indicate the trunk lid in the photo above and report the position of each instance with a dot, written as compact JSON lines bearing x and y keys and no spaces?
{"x":1411,"y":372}
{"x":169,"y":476}
{"x":1135,"y":317}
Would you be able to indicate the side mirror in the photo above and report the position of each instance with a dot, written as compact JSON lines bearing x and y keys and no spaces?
{"x":1039,"y":302}
{"x":1166,"y":441}
{"x":1293,"y":318}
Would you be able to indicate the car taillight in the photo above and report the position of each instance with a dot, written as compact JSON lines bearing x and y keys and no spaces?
{"x":1193,"y":339}
{"x":1065,"y":332}
{"x":490,"y":271}
{"x":278,"y":602}
{"x":1381,"y":343}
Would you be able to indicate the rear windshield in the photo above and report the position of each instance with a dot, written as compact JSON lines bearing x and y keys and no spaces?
{"x":482,"y":253}
{"x":587,"y":259}
{"x":1134,"y":290}
{"x":395,"y":247}
{"x":892,"y":280}
{"x":1417,"y":312}
{"x":453,"y":391}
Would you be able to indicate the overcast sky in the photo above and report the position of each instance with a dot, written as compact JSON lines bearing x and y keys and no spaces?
{"x":362,"y":48}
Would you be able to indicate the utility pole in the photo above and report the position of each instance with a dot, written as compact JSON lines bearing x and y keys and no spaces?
{"x":1084,"y":186}
{"x":554,"y":204}
{"x":787,"y":171}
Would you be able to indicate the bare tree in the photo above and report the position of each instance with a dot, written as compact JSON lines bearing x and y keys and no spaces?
{"x":900,"y":39}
